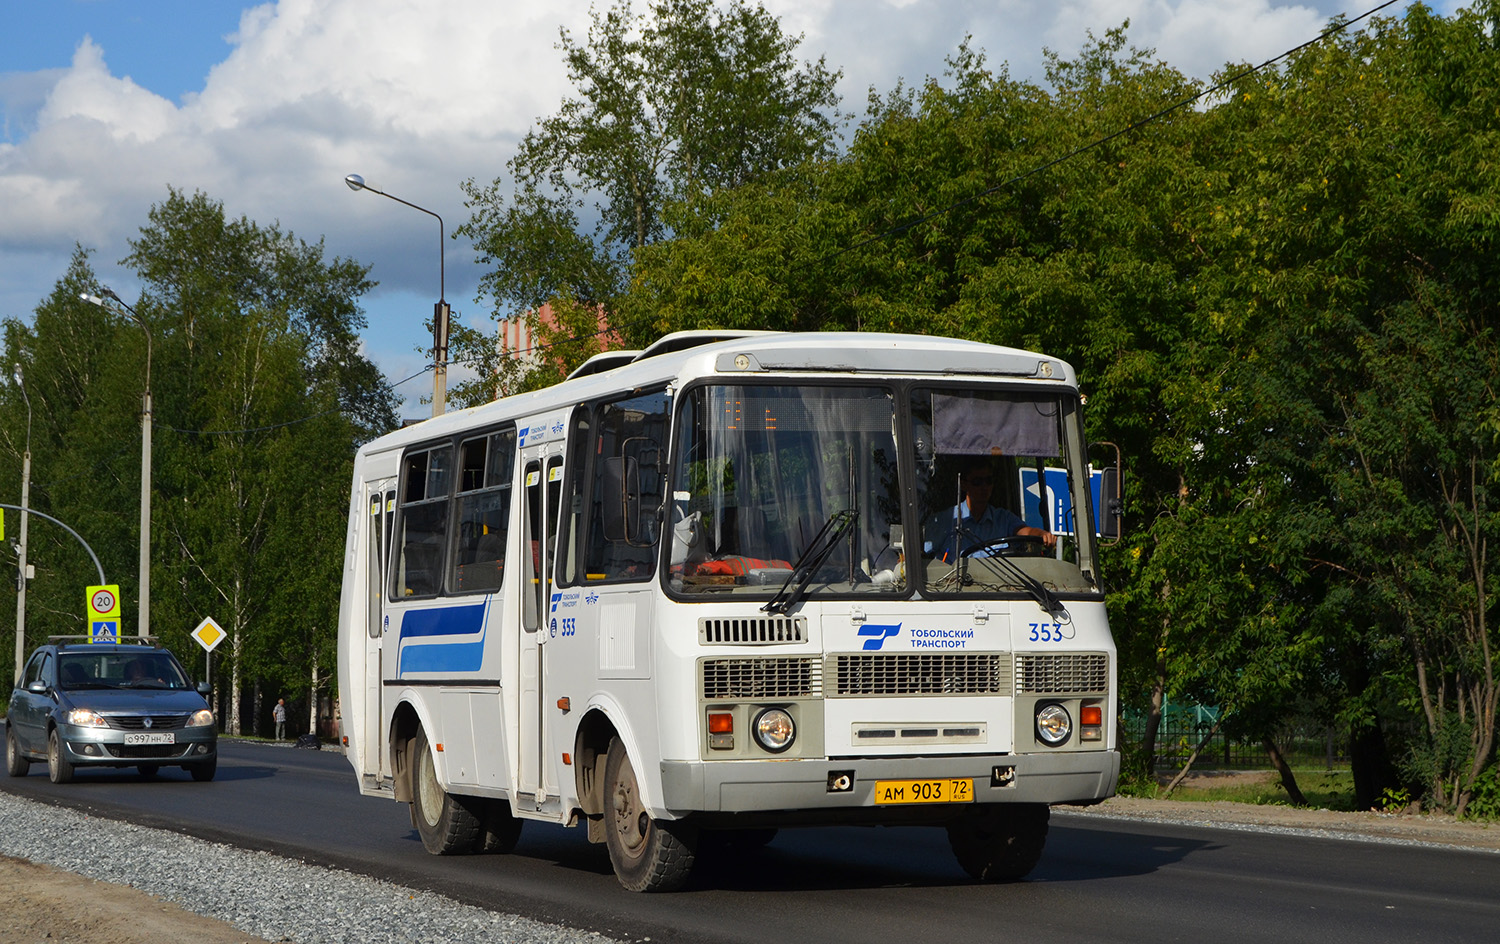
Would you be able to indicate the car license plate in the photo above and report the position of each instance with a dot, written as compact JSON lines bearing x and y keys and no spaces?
{"x":163,"y":737}
{"x":944,"y":790}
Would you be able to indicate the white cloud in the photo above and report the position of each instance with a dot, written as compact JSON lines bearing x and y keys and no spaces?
{"x":418,"y":97}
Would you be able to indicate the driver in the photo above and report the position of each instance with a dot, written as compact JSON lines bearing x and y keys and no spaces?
{"x":977,"y":521}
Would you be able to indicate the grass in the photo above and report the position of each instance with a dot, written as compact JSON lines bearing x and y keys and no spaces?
{"x":1324,"y":789}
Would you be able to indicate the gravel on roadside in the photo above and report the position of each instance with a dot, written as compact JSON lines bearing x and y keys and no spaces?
{"x":258,"y":894}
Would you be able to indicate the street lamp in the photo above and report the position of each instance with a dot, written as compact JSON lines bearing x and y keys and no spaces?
{"x":143,"y":620}
{"x":21,"y":574}
{"x":440,"y":311}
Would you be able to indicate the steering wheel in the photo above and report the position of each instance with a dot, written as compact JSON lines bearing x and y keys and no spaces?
{"x":1015,"y":545}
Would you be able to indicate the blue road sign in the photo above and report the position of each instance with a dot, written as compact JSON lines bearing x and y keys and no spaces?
{"x":106,"y":631}
{"x":1059,"y":502}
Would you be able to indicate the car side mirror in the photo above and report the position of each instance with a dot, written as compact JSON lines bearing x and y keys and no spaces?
{"x":37,"y":688}
{"x":205,"y":688}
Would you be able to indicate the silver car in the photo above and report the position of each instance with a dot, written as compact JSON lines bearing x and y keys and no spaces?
{"x":108,"y":705}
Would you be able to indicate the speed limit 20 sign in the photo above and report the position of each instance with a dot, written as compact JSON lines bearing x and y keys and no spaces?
{"x":102,"y":612}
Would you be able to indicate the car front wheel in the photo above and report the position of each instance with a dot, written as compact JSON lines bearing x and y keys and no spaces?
{"x":204,"y":772}
{"x":16,"y":763}
{"x":58,"y":768}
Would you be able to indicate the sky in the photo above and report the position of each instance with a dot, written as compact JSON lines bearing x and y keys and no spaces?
{"x":266,"y":107}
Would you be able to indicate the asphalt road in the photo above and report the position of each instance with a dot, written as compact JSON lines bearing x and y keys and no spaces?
{"x":1100,"y":880}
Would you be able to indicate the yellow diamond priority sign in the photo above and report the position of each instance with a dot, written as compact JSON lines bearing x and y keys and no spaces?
{"x":208,"y":634}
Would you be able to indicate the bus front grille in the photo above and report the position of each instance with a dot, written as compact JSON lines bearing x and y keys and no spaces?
{"x":791,"y":677}
{"x":754,"y":631}
{"x":1062,"y":673}
{"x":975,"y":673}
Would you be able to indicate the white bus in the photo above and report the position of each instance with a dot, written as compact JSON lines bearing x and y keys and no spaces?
{"x":736,"y":582}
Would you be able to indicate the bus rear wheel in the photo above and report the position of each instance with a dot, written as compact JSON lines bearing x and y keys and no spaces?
{"x":648,"y":855}
{"x":502,"y":828}
{"x":446,"y":823}
{"x":1000,"y":842}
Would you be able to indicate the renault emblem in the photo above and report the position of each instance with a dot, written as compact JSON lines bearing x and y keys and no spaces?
{"x":146,"y":722}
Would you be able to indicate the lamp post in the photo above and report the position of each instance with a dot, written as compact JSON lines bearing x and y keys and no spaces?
{"x":440,"y":311}
{"x":143,"y":618}
{"x":21,"y":574}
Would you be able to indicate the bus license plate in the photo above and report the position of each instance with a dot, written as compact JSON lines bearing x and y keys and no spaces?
{"x":165,"y":737}
{"x":923,"y":791}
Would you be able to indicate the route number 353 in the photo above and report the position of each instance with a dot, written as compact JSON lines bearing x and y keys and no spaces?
{"x":1049,"y":632}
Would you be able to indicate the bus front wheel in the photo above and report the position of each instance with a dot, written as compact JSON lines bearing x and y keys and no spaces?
{"x":446,"y":823}
{"x":1000,"y":842}
{"x":648,"y":855}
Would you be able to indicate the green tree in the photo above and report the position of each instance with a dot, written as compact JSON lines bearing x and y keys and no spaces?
{"x":670,"y":109}
{"x":264,"y":398}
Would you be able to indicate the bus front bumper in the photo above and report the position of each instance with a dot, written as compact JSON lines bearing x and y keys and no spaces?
{"x":750,"y":786}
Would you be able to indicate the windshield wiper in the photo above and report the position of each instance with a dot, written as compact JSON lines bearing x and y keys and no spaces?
{"x":817,"y":552}
{"x":1038,"y":590}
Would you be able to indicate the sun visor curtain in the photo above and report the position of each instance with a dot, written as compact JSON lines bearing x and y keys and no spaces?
{"x":967,"y":425}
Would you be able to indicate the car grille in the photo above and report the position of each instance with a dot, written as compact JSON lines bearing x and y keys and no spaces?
{"x":922,"y":674}
{"x":794,"y":677}
{"x":128,"y":751}
{"x":138,"y":722}
{"x":753,"y":631}
{"x":1062,"y":673}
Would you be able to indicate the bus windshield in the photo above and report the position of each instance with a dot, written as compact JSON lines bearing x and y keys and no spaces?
{"x":779,"y":486}
{"x":766,"y":473}
{"x":1003,"y":492}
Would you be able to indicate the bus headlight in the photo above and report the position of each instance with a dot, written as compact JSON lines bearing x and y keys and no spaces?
{"x":1053,"y":725}
{"x":774,"y":730}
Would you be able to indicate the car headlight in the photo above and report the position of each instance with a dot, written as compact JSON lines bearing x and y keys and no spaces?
{"x":86,"y":718}
{"x":1053,"y":725}
{"x":201,"y":718}
{"x":775,"y":730}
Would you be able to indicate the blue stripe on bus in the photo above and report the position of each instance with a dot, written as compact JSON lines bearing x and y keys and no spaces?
{"x":442,"y":656}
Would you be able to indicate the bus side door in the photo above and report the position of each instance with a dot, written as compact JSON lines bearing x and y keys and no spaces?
{"x":380,"y":505}
{"x":542,"y":480}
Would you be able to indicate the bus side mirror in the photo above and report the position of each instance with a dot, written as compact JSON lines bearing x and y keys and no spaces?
{"x":1113,"y":507}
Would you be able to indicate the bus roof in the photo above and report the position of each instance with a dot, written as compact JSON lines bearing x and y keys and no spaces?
{"x":751,"y":354}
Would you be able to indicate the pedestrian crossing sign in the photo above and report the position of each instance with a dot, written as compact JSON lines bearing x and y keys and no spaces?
{"x":105,"y":630}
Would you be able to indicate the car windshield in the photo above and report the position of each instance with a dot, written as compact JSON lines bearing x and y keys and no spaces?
{"x":97,"y":670}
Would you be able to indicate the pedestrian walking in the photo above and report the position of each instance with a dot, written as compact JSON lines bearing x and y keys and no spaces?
{"x":278,"y":714}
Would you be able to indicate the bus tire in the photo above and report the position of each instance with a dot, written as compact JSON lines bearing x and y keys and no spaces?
{"x":16,"y":763}
{"x":502,"y":828}
{"x":446,"y":823}
{"x":58,"y":768}
{"x":648,"y":855}
{"x":1000,"y":842}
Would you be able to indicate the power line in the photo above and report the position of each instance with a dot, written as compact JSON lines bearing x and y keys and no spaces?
{"x":1100,"y":142}
{"x":1135,"y":126}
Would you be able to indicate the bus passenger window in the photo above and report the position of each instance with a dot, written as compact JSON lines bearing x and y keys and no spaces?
{"x":486,"y":467}
{"x":629,"y":472}
{"x":423,"y":524}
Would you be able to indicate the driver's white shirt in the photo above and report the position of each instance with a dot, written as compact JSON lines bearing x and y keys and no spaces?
{"x":991,"y":525}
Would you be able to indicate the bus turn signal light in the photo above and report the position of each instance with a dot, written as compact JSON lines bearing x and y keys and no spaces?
{"x":721,"y":731}
{"x":1091,"y":726}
